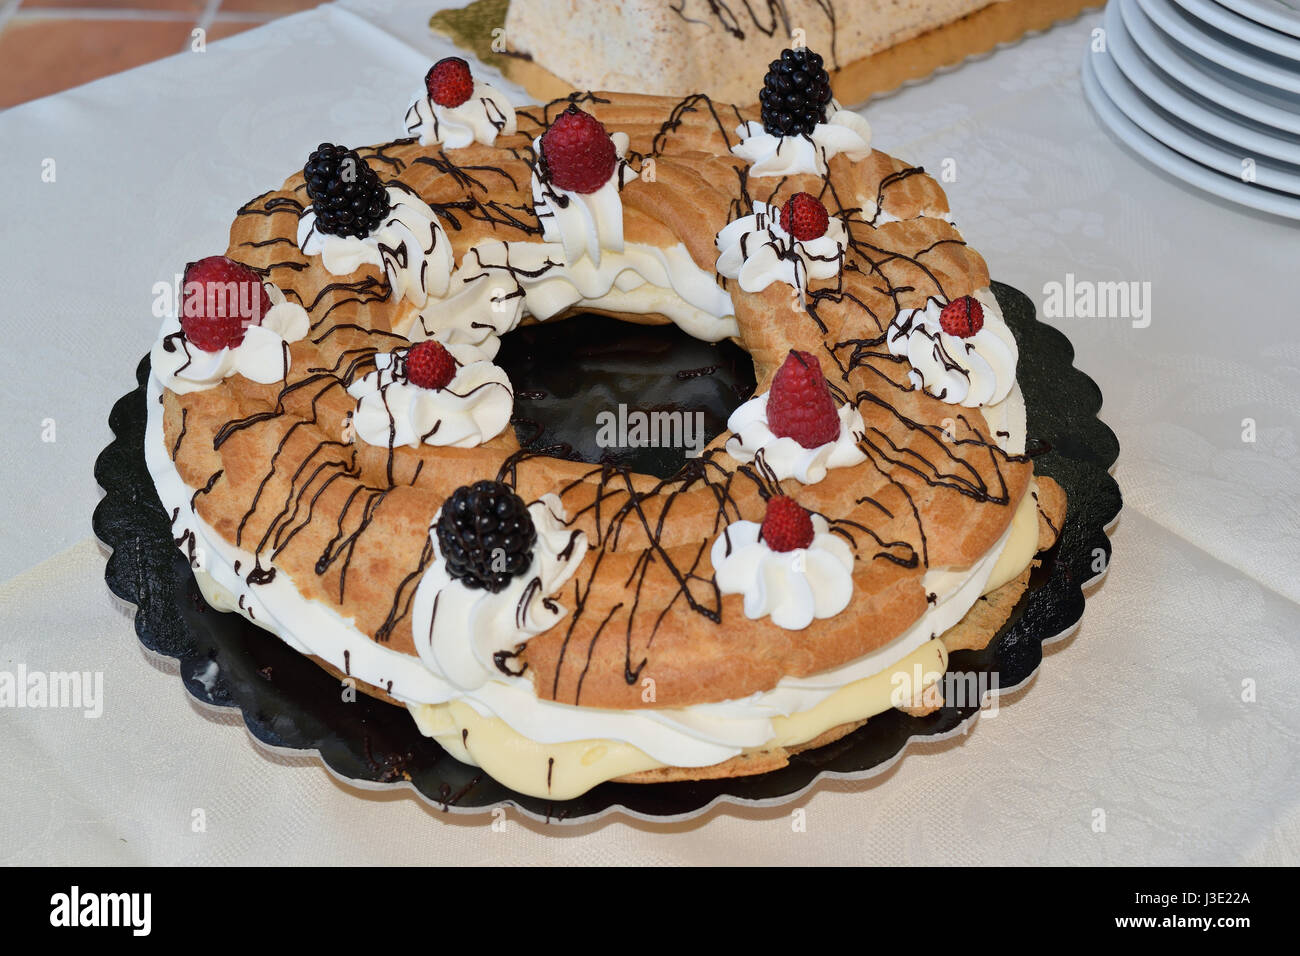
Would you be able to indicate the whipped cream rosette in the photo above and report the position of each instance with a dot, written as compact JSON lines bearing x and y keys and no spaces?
{"x":480,"y":119}
{"x":470,"y":409}
{"x":769,"y":154}
{"x":262,"y":356}
{"x":784,"y":456}
{"x":968,"y":370}
{"x":757,"y":251}
{"x":792,"y":587}
{"x":409,"y":244}
{"x":460,"y":630}
{"x":799,"y":427}
{"x":584,"y":224}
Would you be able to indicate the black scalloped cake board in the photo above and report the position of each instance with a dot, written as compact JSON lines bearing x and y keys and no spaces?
{"x":289,"y":703}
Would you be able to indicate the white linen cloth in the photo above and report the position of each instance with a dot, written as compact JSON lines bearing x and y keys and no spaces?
{"x":1139,"y":716}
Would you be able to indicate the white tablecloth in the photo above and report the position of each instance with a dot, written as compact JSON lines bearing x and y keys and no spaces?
{"x":1138,"y":721}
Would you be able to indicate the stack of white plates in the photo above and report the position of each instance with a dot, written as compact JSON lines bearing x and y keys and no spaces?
{"x":1208,"y":90}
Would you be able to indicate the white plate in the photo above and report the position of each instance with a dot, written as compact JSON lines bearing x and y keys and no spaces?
{"x":1218,"y":48}
{"x":1180,"y":166}
{"x":1277,"y":14}
{"x":1203,"y":114}
{"x":1259,"y":102}
{"x":1186,"y":139}
{"x":1237,"y":26}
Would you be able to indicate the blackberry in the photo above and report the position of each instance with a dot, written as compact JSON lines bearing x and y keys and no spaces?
{"x":795,"y":93}
{"x":486,"y":535}
{"x":346,"y":194}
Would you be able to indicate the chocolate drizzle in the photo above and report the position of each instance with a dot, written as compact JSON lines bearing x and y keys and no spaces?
{"x":260,"y":575}
{"x":181,"y":434}
{"x":772,"y":19}
{"x":269,"y":207}
{"x":550,"y":110}
{"x":403,"y":597}
{"x":466,"y":177}
{"x":502,"y":659}
{"x":319,"y":492}
{"x":449,"y":798}
{"x":207,"y":487}
{"x":691,"y":104}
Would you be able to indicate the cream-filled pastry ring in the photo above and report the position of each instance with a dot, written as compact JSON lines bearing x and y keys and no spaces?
{"x":620,"y":634}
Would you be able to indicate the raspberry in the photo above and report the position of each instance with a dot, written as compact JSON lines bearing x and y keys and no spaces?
{"x":787,"y":525}
{"x":429,"y":365}
{"x":486,"y":535}
{"x":449,"y":82}
{"x":800,"y":406}
{"x":578,"y":153}
{"x":220,"y":299}
{"x":804,"y":217}
{"x":962,"y":317}
{"x":346,"y":194}
{"x":796,"y":92}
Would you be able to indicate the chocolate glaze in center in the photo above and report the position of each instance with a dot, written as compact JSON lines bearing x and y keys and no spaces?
{"x":568,"y":373}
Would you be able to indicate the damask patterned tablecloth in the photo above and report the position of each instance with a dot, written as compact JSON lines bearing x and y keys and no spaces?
{"x":1164,"y":731}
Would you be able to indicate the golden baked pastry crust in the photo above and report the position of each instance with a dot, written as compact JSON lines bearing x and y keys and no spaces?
{"x":348,"y":522}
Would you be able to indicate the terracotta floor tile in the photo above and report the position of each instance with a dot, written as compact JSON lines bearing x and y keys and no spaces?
{"x":39,"y":57}
{"x":268,"y":6}
{"x":187,"y":6}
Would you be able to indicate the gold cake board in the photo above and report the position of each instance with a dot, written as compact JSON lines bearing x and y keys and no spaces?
{"x":480,"y":25}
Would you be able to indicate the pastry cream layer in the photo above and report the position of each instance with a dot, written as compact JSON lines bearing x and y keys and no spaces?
{"x":566,"y":770}
{"x":1021,"y":546}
